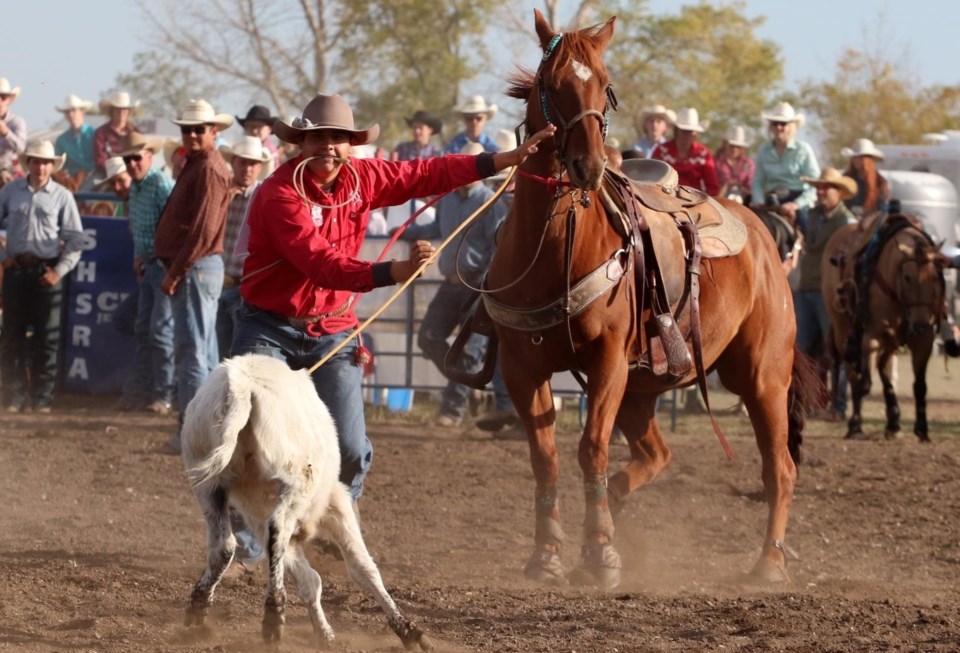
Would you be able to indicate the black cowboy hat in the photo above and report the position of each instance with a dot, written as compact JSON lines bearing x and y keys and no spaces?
{"x":259,"y":113}
{"x":427,"y":119}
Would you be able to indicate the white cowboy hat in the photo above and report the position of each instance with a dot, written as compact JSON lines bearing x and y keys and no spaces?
{"x":737,"y":135}
{"x":506,"y":140}
{"x":6,"y":89}
{"x":200,"y":112}
{"x":863,"y":147}
{"x":784,"y":112}
{"x":114,"y":166}
{"x":121,"y":100}
{"x":833,"y":177}
{"x":476,"y":104}
{"x":43,"y":150}
{"x":252,"y":149}
{"x":73,"y":102}
{"x":658,"y":110}
{"x":472,"y":149}
{"x":689,"y":120}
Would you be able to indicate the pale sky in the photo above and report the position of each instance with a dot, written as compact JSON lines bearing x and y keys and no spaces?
{"x":65,"y":46}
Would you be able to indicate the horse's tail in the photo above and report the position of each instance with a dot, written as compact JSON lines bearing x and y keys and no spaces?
{"x":806,"y":388}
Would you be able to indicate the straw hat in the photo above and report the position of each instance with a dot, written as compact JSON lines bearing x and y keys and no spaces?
{"x":43,"y":150}
{"x":471,"y":148}
{"x":832,"y":177}
{"x":476,"y":104}
{"x":325,"y":112}
{"x":135,"y":142}
{"x":689,"y":120}
{"x":73,"y":102}
{"x":200,"y":112}
{"x":506,"y":140}
{"x":738,"y":136}
{"x":6,"y":89}
{"x":425,"y":118}
{"x":114,"y":166}
{"x":121,"y":100}
{"x":658,"y":110}
{"x":784,"y":112}
{"x":252,"y":149}
{"x":863,"y":147}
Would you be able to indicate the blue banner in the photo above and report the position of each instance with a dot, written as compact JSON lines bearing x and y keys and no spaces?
{"x":98,"y":356}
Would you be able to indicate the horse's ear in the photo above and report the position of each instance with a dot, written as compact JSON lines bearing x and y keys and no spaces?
{"x":544,"y":30}
{"x":604,"y":33}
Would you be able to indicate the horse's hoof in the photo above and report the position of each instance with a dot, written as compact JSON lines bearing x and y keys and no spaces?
{"x":545,"y":567}
{"x":600,"y":567}
{"x":195,"y":615}
{"x":892,"y":435}
{"x":272,"y":628}
{"x":768,"y":572}
{"x":924,"y":439}
{"x":855,"y":435}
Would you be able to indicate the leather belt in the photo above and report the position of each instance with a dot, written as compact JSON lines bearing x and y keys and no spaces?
{"x":29,"y":260}
{"x":230,"y":281}
{"x":301,"y":323}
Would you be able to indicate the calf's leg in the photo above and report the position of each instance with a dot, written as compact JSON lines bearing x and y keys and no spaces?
{"x":309,"y":588}
{"x":221,"y":545}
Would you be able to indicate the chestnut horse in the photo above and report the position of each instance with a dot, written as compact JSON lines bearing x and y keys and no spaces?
{"x":556,"y":235}
{"x":905,"y":305}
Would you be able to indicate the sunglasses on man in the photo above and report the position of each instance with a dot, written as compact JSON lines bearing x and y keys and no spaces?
{"x":778,"y":123}
{"x":133,"y":157}
{"x":199,"y":130}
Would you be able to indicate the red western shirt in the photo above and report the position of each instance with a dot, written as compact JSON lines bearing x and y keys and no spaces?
{"x":696,"y":170}
{"x":317,"y":249}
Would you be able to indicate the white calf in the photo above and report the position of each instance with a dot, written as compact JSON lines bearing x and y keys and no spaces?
{"x":257,"y":437}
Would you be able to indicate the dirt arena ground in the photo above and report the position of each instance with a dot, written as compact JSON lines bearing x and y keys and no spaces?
{"x":101,"y":541}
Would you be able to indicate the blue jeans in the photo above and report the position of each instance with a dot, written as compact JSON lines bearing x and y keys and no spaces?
{"x":151,"y":378}
{"x":337,"y":381}
{"x":227,"y":319}
{"x":813,"y":329}
{"x":195,"y":326}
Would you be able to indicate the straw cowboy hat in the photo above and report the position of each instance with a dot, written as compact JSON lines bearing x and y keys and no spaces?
{"x":784,"y":112}
{"x":73,"y":102}
{"x":200,"y":112}
{"x":658,"y":110}
{"x":832,"y":177}
{"x":472,"y":149}
{"x":738,"y":136}
{"x":325,"y":112}
{"x":258,"y":113}
{"x":121,"y":100}
{"x":863,"y":147}
{"x":6,"y":89}
{"x":135,"y":142}
{"x":425,"y":118}
{"x":43,"y":150}
{"x":114,"y":166}
{"x":252,"y":149}
{"x":476,"y":104}
{"x":506,"y":140}
{"x":689,"y":120}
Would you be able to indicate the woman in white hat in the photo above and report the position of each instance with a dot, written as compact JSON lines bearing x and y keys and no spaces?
{"x":655,"y":123}
{"x":13,"y":129}
{"x":872,"y":188}
{"x":107,"y":137}
{"x":781,"y":162}
{"x":734,"y":167}
{"x":475,"y":113}
{"x":692,"y":160}
{"x":77,"y":141}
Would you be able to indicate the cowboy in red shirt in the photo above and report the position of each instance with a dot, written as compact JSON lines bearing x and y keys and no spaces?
{"x":306,"y":224}
{"x":692,"y":160}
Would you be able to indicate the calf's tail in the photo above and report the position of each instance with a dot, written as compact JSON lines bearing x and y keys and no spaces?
{"x":222,"y":412}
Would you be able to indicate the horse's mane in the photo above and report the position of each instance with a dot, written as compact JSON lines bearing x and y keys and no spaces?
{"x":574,"y":45}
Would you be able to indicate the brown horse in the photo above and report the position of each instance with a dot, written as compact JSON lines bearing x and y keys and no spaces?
{"x":558,"y":241}
{"x":905,"y":305}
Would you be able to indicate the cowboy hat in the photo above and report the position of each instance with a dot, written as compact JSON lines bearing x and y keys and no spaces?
{"x":425,"y":118}
{"x":73,"y":102}
{"x":737,"y":136}
{"x":832,"y":177}
{"x":506,"y":140}
{"x":252,"y":149}
{"x":784,"y":112}
{"x":258,"y":113}
{"x":114,"y":166}
{"x":45,"y":151}
{"x":863,"y":147}
{"x":169,"y":148}
{"x":200,"y":112}
{"x":325,"y":112}
{"x":121,"y":100}
{"x":689,"y":120}
{"x":476,"y":104}
{"x":6,"y":89}
{"x":135,"y":142}
{"x":658,"y":110}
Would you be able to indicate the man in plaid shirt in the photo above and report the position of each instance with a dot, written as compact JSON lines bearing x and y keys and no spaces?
{"x":250,"y":162}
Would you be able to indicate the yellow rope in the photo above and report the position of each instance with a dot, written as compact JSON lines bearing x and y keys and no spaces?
{"x":423,"y":266}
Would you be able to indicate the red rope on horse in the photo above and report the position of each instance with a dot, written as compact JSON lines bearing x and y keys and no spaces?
{"x":552,"y":183}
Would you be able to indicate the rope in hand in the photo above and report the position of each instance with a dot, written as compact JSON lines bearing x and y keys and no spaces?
{"x":403,"y":286}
